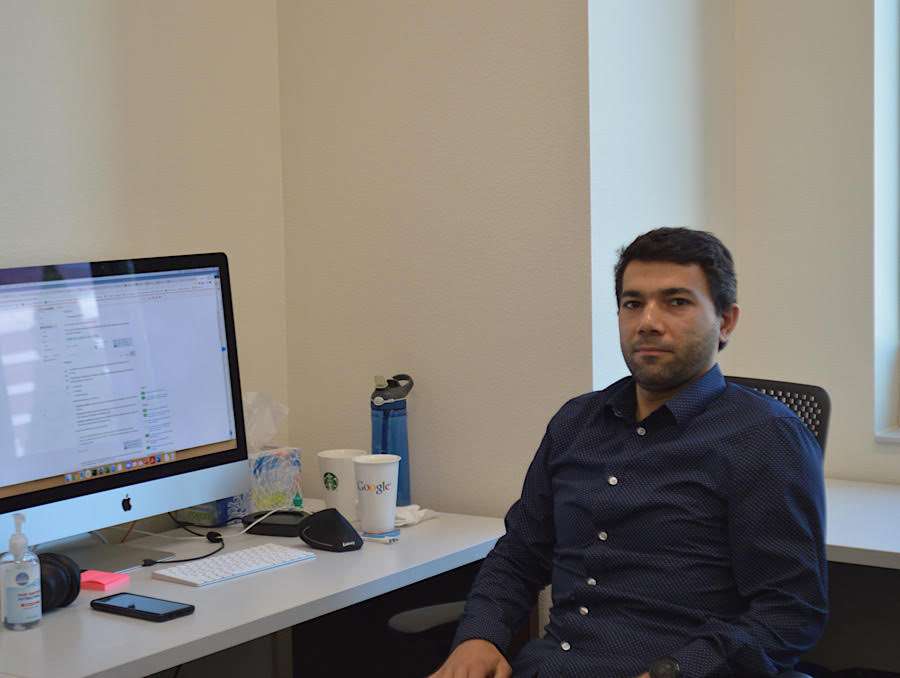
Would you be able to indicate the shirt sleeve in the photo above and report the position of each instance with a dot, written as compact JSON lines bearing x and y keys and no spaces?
{"x":519,"y":565}
{"x":776,"y":530}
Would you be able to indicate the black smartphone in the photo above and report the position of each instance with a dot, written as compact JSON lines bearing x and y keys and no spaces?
{"x":142,"y":607}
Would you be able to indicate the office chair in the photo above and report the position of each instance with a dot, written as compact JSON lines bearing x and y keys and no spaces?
{"x":810,"y":403}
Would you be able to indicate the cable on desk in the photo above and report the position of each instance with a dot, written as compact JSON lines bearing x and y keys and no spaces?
{"x":214,"y":537}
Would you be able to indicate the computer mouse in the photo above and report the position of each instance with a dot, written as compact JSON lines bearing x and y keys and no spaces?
{"x":329,"y":530}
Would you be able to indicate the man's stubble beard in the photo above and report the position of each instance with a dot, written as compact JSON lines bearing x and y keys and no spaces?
{"x":683,"y":366}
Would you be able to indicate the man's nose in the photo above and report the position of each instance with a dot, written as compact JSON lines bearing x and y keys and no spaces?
{"x":650,"y":320}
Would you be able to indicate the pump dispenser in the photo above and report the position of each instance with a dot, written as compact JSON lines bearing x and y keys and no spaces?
{"x":20,"y":582}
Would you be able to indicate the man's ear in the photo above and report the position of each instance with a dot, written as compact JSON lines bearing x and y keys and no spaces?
{"x":729,"y":322}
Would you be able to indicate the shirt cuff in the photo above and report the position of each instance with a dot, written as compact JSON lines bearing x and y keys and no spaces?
{"x":484,"y":625}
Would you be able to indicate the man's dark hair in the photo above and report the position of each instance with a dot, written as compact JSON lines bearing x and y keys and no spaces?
{"x":686,"y":246}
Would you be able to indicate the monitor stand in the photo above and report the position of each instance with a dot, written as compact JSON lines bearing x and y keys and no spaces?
{"x":113,"y":557}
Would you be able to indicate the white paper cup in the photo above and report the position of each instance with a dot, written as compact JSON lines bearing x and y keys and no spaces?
{"x":339,"y":481}
{"x":376,"y":488}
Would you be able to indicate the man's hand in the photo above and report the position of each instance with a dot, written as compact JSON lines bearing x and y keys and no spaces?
{"x":475,"y":658}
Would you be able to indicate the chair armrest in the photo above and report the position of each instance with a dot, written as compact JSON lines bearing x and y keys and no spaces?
{"x":424,"y":618}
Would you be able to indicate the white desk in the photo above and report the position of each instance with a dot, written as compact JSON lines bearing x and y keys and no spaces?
{"x":863,"y":523}
{"x":863,"y":529}
{"x":78,"y":641}
{"x":863,"y":546}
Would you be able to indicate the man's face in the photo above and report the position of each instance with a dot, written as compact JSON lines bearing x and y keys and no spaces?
{"x":668,"y":326}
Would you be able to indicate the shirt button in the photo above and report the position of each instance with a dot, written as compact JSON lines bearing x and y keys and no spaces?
{"x":603,"y":536}
{"x":565,"y":646}
{"x":612,"y":480}
{"x":591,"y":581}
{"x":641,"y":431}
{"x":582,"y":610}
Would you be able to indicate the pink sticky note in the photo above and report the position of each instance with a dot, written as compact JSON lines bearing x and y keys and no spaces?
{"x":95,"y":580}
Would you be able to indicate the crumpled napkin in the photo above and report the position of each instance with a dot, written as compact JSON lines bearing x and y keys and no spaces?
{"x":412,"y":514}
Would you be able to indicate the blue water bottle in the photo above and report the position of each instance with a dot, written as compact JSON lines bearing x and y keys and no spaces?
{"x":389,"y":426}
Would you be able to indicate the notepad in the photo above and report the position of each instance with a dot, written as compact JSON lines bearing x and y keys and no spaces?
{"x":95,"y":580}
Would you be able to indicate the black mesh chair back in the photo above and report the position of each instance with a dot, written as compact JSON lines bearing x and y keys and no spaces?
{"x":811,"y":403}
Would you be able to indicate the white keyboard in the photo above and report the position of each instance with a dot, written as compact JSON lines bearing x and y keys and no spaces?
{"x":230,"y":565}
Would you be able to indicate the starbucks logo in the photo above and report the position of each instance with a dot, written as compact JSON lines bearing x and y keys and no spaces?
{"x":331,"y":481}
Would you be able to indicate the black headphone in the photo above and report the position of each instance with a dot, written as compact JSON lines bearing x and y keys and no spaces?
{"x":60,"y":580}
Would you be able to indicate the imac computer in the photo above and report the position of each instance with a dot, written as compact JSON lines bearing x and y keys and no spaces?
{"x":119,"y":393}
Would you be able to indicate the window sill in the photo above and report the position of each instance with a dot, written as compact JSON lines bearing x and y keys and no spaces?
{"x":889,"y":435}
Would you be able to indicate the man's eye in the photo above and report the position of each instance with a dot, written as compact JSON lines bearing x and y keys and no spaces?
{"x":630,"y":304}
{"x":679,"y":301}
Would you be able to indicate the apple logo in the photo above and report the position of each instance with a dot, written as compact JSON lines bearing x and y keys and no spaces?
{"x":126,"y":503}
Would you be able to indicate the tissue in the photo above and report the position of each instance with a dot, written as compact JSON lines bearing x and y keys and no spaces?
{"x":263,"y":416}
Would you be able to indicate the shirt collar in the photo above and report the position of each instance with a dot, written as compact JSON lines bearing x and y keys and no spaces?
{"x":683,"y":406}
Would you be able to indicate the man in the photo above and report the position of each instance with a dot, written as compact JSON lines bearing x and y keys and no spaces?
{"x":680,"y":520}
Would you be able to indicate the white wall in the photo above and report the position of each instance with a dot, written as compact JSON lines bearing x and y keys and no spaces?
{"x":147,"y":128}
{"x":886,"y":217}
{"x":437,"y":223}
{"x":662,"y":138}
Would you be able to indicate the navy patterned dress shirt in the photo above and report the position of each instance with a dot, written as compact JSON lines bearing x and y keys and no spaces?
{"x":697,"y":533}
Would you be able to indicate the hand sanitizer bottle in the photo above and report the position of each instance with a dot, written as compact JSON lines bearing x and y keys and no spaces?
{"x":20,"y":579}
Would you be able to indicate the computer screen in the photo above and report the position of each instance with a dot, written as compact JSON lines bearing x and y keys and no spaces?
{"x":119,"y":392}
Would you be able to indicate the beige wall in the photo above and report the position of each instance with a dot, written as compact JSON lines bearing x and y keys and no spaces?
{"x":767,"y":140}
{"x":436,"y":200}
{"x":149,"y":128}
{"x":435,"y":165}
{"x":437,"y":223}
{"x":805,"y":213}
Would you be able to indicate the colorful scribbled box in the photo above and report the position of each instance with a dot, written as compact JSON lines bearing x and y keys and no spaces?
{"x":216,"y":512}
{"x":275,"y":476}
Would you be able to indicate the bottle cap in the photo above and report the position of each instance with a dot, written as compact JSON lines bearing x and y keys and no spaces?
{"x":18,"y":543}
{"x":391,"y":390}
